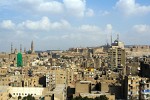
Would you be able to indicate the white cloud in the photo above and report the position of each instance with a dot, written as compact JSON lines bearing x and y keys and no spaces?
{"x":142,"y":28}
{"x":41,"y":6}
{"x":51,"y":7}
{"x":130,"y":7}
{"x":44,"y":24}
{"x":104,"y":13}
{"x":109,"y":28}
{"x":61,"y":32}
{"x":7,"y":24}
{"x":75,"y":7}
{"x":89,"y":28}
{"x":89,"y":12}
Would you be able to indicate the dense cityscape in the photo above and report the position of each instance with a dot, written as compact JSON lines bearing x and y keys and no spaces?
{"x":114,"y":72}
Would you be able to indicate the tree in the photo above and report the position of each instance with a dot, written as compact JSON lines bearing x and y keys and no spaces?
{"x":19,"y":97}
{"x":102,"y":97}
{"x":28,"y":97}
{"x":98,"y":87}
{"x":77,"y":98}
{"x":10,"y":95}
{"x":96,"y":77}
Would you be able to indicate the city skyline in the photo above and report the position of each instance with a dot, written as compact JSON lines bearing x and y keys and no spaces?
{"x":61,"y":24}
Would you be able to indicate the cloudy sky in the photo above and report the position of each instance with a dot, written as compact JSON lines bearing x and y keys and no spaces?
{"x":61,"y":24}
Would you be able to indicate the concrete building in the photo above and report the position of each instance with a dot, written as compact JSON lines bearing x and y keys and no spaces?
{"x":145,"y":68}
{"x":60,"y":92}
{"x":4,"y":92}
{"x":60,"y":75}
{"x":30,"y":81}
{"x":37,"y":92}
{"x":95,"y":94}
{"x":3,"y":71}
{"x":82,"y":87}
{"x":50,"y":81}
{"x":145,"y":89}
{"x":132,"y":84}
{"x":116,"y":56}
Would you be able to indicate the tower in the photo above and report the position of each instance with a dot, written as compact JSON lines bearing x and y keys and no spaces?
{"x":118,"y":37}
{"x":24,"y":50}
{"x":19,"y":60}
{"x":11,"y":48}
{"x":111,"y":39}
{"x":32,"y":47}
{"x":20,"y":48}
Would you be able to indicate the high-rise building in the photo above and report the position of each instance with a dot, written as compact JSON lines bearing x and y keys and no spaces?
{"x":131,"y":86}
{"x":116,"y":54}
{"x":145,"y":89}
{"x":145,"y":67}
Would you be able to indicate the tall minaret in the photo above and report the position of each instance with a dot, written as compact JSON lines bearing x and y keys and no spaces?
{"x":111,"y":38}
{"x":24,"y":50}
{"x":11,"y":48}
{"x":20,"y":48}
{"x":118,"y":37}
{"x":32,"y":47}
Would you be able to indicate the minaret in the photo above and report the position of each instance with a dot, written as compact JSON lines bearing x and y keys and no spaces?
{"x":20,"y":48}
{"x":11,"y":48}
{"x":32,"y":47}
{"x":118,"y":37}
{"x":15,"y":51}
{"x":111,"y":39}
{"x":25,"y":50}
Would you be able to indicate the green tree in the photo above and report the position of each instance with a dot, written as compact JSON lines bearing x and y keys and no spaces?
{"x":102,"y":97}
{"x":77,"y":98}
{"x":81,"y":98}
{"x":9,"y":95}
{"x":28,"y":97}
{"x":97,"y":86}
{"x":19,"y":97}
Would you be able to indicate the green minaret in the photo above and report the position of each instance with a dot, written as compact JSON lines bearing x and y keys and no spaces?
{"x":19,"y":60}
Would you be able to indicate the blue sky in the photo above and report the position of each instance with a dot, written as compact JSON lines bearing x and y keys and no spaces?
{"x":61,"y":24}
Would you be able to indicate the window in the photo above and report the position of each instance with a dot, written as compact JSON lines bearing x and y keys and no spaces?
{"x":148,"y":85}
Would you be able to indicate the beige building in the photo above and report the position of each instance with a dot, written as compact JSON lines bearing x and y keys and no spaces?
{"x":5,"y":81}
{"x":60,"y":75}
{"x":132,"y":84}
{"x":30,"y":81}
{"x":82,"y":87}
{"x":3,"y":71}
{"x":145,"y":89}
{"x":116,"y":54}
{"x":4,"y":92}
{"x":50,"y":81}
